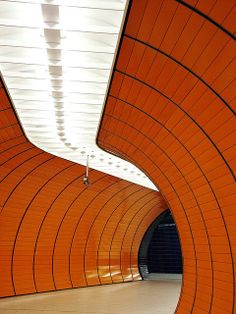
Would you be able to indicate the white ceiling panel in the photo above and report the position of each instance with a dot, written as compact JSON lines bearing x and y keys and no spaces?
{"x":56,"y":57}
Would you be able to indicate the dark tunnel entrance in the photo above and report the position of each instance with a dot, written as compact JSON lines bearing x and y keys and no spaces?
{"x":160,"y":251}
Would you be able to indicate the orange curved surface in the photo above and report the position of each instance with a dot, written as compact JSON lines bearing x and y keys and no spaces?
{"x":56,"y":233}
{"x":170,"y":110}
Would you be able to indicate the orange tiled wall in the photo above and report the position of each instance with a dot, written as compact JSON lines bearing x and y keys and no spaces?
{"x":170,"y":111}
{"x":54,"y":232}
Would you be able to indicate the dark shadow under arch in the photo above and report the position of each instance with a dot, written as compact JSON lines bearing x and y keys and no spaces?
{"x":160,"y":250}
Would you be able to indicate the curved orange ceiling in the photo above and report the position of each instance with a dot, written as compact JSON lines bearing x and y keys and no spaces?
{"x":170,"y":110}
{"x":56,"y":233}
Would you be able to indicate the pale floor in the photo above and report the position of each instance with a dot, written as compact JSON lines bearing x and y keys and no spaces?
{"x":142,"y":297}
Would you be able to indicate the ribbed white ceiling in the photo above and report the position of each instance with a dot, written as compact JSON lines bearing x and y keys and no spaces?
{"x":56,"y":58}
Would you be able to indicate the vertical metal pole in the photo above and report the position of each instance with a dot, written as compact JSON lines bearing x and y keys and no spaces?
{"x":87,"y":167}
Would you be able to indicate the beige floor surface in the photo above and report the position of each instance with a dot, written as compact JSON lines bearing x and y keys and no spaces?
{"x":143,"y":297}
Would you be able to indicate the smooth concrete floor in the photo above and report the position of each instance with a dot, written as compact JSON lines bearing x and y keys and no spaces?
{"x":142,"y":297}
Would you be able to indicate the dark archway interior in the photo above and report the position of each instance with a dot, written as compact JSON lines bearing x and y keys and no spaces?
{"x":160,"y":250}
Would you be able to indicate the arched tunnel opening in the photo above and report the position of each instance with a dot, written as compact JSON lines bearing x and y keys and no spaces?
{"x":160,"y":250}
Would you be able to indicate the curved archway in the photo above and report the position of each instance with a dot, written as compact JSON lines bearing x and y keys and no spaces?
{"x":170,"y":110}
